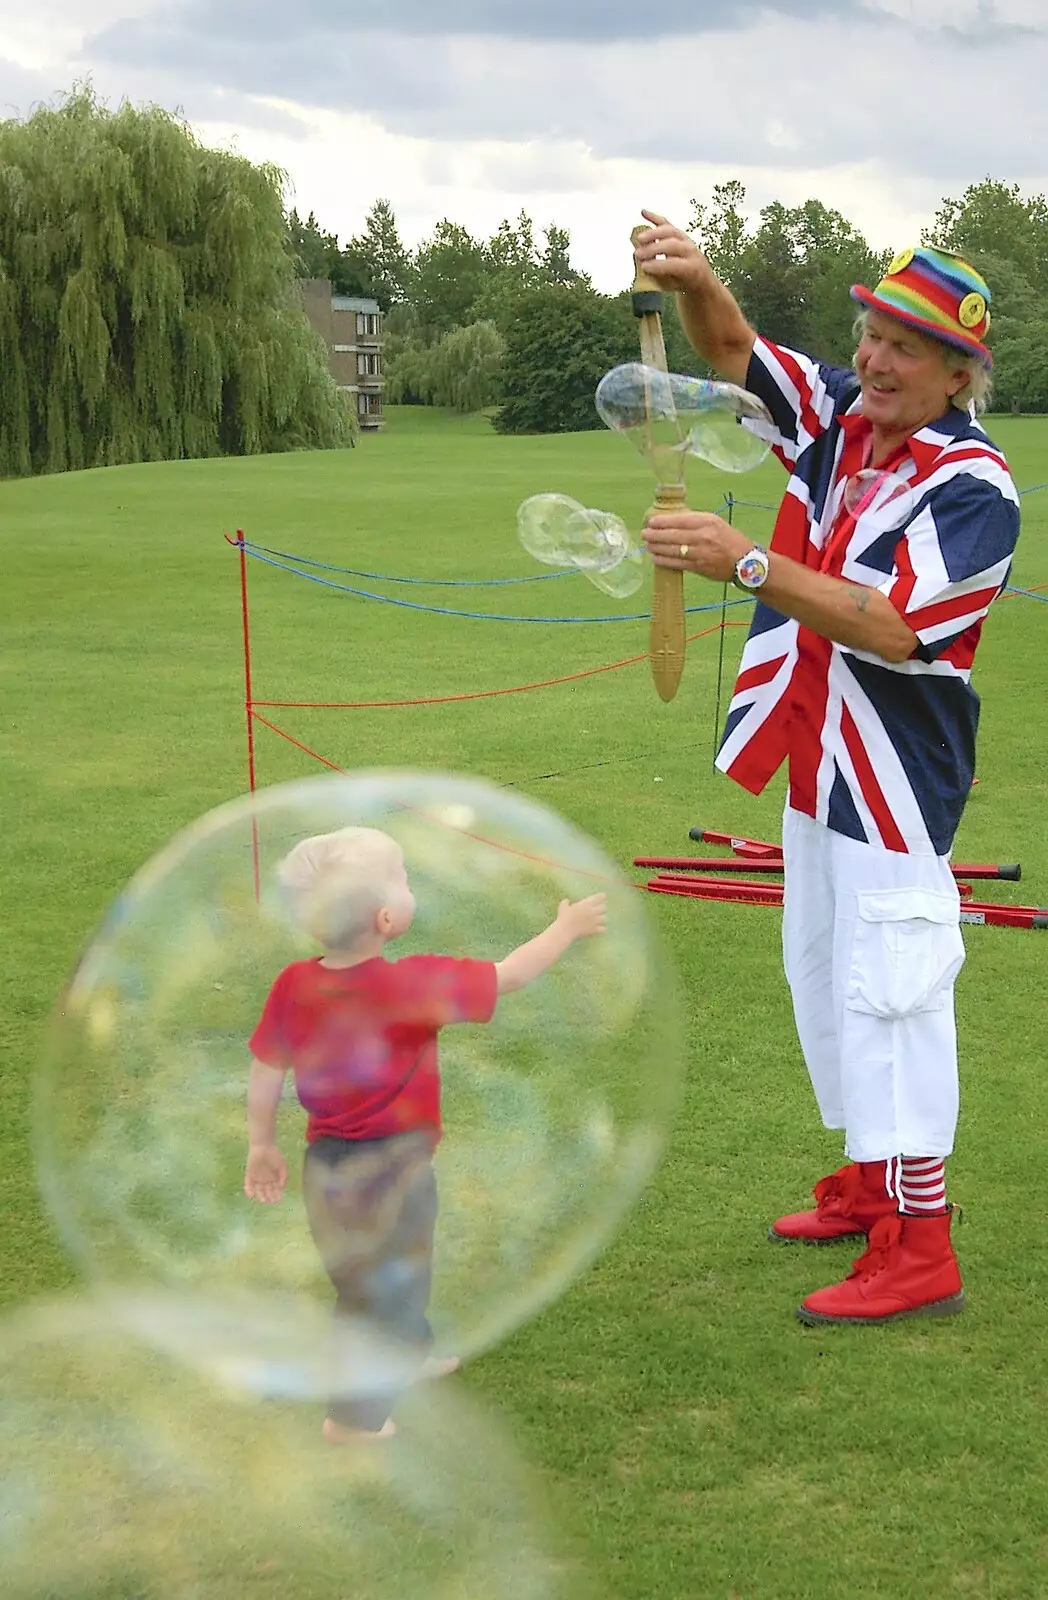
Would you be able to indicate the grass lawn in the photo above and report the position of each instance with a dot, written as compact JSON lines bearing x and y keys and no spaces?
{"x":697,"y":1438}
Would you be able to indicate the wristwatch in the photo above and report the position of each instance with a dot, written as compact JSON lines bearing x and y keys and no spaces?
{"x":751,"y":570}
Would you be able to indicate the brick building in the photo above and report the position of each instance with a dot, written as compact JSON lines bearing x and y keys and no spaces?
{"x":352,"y":330}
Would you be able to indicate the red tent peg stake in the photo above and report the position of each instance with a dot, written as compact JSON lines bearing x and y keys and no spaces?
{"x":732,"y":864}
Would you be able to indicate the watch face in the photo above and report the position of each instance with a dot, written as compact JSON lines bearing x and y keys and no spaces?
{"x":752,"y":569}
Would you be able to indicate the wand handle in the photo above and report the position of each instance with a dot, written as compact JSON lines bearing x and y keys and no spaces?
{"x":644,"y":283}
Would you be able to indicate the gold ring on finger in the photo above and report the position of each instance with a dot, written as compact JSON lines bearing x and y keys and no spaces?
{"x":684,"y":552}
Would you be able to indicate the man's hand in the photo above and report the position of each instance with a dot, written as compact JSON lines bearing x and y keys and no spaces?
{"x":696,"y":541}
{"x":266,"y":1174}
{"x":584,"y":918}
{"x":671,"y":257}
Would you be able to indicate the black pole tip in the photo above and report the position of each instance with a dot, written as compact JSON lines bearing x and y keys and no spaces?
{"x":646,"y":302}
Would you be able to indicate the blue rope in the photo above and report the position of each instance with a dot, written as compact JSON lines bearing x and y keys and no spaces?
{"x":429,"y":583}
{"x":481,"y":616}
{"x":261,"y":552}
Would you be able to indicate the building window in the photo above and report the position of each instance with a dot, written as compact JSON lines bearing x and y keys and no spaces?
{"x":362,"y":323}
{"x":368,"y":366}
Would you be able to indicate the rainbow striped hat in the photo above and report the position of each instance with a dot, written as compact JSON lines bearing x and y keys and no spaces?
{"x":937,"y":292}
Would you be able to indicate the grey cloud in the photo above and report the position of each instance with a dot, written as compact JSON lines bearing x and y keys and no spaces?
{"x":978,"y":37}
{"x":989,"y":27}
{"x":442,"y":71}
{"x":593,"y":21}
{"x":210,"y":103}
{"x":779,"y":95}
{"x":21,"y":91}
{"x":324,"y":68}
{"x":839,"y":109}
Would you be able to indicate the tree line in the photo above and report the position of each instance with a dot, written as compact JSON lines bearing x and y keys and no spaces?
{"x":507,"y":322}
{"x":149,"y":301}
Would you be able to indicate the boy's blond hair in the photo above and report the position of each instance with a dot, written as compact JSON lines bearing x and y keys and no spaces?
{"x":336,"y":882}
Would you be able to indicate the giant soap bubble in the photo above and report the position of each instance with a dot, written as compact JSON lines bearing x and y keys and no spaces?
{"x":554,"y":1112}
{"x":123,"y":1477}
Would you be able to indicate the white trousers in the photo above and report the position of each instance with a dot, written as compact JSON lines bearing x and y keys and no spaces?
{"x":872,"y":946}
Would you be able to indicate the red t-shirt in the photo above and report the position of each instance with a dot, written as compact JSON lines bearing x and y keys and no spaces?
{"x":362,"y":1041}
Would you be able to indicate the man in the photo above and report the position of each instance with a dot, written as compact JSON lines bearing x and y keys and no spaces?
{"x":895,"y":535}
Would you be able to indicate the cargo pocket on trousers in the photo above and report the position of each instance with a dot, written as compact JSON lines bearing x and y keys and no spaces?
{"x":907,"y":952}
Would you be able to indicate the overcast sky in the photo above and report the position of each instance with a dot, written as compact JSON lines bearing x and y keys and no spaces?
{"x":577,"y":111}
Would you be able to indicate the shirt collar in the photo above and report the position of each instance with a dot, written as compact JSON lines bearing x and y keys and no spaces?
{"x":924,"y":447}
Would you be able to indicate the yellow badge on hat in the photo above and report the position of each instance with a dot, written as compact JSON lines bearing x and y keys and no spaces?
{"x":971,"y":310}
{"x":899,"y":263}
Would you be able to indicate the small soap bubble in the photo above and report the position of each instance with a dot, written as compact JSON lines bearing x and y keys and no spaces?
{"x":884,"y":497}
{"x":562,"y":533}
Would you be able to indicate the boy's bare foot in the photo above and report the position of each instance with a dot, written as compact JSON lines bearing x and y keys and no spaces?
{"x":438,"y":1367}
{"x":337,"y":1433}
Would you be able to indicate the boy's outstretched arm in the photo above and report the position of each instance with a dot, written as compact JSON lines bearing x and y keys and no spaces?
{"x":578,"y":919}
{"x":266,"y":1173}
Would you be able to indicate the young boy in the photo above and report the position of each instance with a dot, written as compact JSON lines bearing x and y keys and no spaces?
{"x":360,"y":1035}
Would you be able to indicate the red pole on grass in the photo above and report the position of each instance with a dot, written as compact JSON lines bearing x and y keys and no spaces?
{"x":731,"y":891}
{"x":738,"y":863}
{"x":728,"y":864}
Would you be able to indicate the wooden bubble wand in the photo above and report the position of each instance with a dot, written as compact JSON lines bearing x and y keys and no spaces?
{"x":667,"y":639}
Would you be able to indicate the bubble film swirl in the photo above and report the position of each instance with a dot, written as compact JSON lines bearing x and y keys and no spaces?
{"x":562,"y":533}
{"x":668,"y":416}
{"x":554,"y":1112}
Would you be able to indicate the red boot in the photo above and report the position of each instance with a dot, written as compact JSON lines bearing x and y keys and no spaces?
{"x":847,"y":1205}
{"x":909,"y":1270}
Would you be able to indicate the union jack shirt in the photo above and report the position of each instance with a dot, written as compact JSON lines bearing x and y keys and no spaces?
{"x":881,"y":751}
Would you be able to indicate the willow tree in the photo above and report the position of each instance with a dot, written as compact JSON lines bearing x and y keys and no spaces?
{"x":463,"y":370}
{"x":148,"y":299}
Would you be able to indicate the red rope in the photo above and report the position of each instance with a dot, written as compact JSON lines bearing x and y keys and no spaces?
{"x":482,"y":694}
{"x":1031,"y":588}
{"x":302,"y":705}
{"x":544,"y":861}
{"x":299,"y":745}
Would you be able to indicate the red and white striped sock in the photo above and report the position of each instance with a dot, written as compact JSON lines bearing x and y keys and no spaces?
{"x":920,"y":1183}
